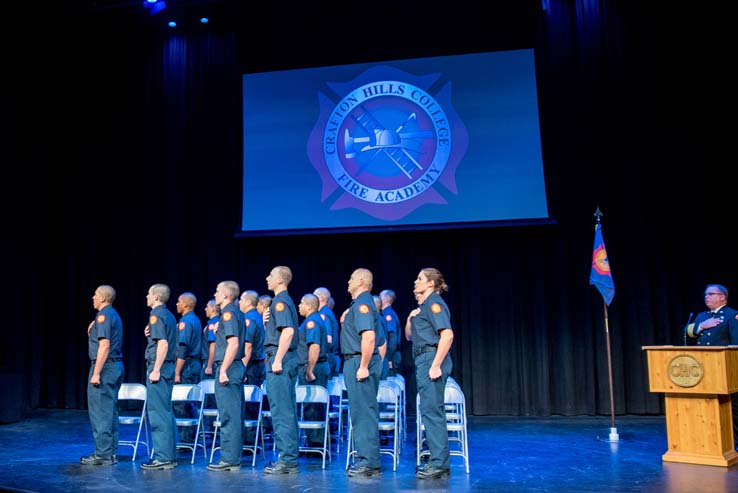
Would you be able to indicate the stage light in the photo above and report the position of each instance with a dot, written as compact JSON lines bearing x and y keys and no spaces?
{"x":172,"y":24}
{"x":204,"y":20}
{"x":154,"y":6}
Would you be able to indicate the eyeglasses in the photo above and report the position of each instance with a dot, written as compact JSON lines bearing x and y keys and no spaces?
{"x":713,"y":294}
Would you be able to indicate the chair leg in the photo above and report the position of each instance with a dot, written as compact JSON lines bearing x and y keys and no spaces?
{"x":212,"y":450}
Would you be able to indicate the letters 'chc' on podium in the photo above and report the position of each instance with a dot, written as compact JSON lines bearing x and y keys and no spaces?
{"x":697,"y":382}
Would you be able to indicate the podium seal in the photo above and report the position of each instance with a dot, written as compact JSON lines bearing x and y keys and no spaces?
{"x":685,"y":371}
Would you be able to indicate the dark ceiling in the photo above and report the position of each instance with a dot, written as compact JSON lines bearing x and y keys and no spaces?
{"x":295,"y":34}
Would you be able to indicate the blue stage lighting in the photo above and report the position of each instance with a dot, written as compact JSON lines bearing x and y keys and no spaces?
{"x":154,"y":6}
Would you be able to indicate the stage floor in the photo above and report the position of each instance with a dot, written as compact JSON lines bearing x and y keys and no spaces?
{"x":563,"y":454}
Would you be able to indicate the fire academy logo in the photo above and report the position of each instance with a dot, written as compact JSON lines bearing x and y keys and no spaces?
{"x":387,"y":141}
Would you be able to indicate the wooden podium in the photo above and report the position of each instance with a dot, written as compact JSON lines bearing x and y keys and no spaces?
{"x":697,"y":382}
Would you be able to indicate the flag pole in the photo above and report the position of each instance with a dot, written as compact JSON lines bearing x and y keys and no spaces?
{"x":613,"y":436}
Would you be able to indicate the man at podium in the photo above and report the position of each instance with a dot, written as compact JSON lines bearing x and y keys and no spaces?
{"x":716,"y":326}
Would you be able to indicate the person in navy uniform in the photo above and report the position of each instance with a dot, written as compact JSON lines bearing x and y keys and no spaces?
{"x":253,"y":354}
{"x":228,"y":371}
{"x":429,"y":328}
{"x":207,"y":354}
{"x":280,"y":344}
{"x":105,"y":349}
{"x":334,"y":360}
{"x":392,"y":324}
{"x":253,"y":348}
{"x":362,"y":367}
{"x":161,"y":351}
{"x":188,"y":366}
{"x":312,"y":353}
{"x":717,"y":326}
{"x":381,"y":338}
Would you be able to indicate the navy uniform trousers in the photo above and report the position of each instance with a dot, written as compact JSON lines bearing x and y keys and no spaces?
{"x":102,"y":406}
{"x":281,"y":395}
{"x":432,"y":410}
{"x":159,"y":409}
{"x":364,"y":409}
{"x":230,"y":411}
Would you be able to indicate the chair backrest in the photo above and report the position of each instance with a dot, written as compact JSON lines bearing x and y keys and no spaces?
{"x":207,"y":385}
{"x":388,"y":392}
{"x":454,"y":395}
{"x":252,"y":393}
{"x":132,"y":391}
{"x":397,"y":376}
{"x":187,"y":392}
{"x":342,"y":381}
{"x":334,"y":387}
{"x":311,"y":393}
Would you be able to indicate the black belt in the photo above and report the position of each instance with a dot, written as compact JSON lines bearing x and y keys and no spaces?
{"x":322,"y":360}
{"x":272,"y":353}
{"x":153,"y":361}
{"x":257,"y":360}
{"x":424,"y":349}
{"x":112,"y":360}
{"x":356,"y":355}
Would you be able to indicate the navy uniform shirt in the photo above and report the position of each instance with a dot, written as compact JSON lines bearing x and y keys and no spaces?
{"x":331,"y":326}
{"x":231,"y":324}
{"x":312,"y":331}
{"x":107,"y":325}
{"x":433,"y":316}
{"x":382,"y":332}
{"x":255,"y":334}
{"x":190,"y":336}
{"x":162,"y":325}
{"x":392,"y":323}
{"x":725,"y":334}
{"x":282,"y":313}
{"x":208,"y":336}
{"x":362,"y":315}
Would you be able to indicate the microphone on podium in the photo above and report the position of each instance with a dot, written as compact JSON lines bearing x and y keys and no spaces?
{"x":687,"y":328}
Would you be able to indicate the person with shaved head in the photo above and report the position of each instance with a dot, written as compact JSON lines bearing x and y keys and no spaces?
{"x":188,"y":366}
{"x":105,"y":349}
{"x":362,"y":366}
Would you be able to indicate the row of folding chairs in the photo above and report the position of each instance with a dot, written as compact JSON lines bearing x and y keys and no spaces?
{"x":132,"y":402}
{"x":305,"y":395}
{"x":333,"y":400}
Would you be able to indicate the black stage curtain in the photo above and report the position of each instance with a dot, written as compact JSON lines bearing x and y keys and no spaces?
{"x":125,"y":149}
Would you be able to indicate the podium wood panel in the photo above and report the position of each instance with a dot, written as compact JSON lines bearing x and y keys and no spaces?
{"x":698,"y":416}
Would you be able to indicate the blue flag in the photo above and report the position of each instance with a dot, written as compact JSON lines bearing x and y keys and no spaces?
{"x":601,"y":276}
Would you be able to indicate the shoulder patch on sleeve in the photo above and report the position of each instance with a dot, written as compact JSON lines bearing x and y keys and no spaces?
{"x":279,"y":307}
{"x":322,"y":315}
{"x":153,"y":319}
{"x":181,"y":325}
{"x":227,"y":316}
{"x":436,"y":308}
{"x":363,"y":308}
{"x":100,"y":318}
{"x":310,"y":324}
{"x":248,"y":322}
{"x":388,"y":318}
